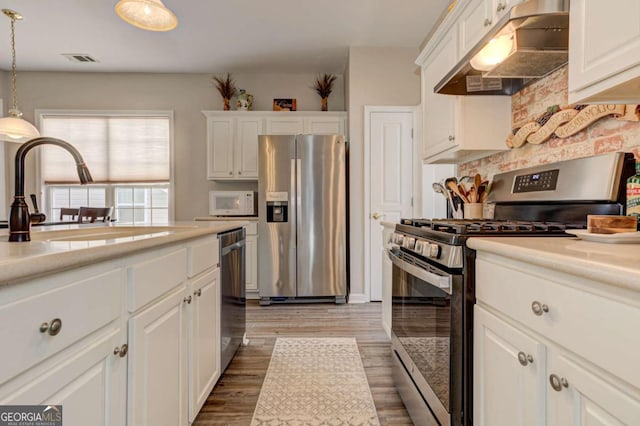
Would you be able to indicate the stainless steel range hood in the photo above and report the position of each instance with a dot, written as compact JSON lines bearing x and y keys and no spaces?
{"x":538,"y":33}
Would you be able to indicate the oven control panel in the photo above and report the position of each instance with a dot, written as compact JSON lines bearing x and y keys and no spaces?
{"x":541,"y":181}
{"x":416,"y":245}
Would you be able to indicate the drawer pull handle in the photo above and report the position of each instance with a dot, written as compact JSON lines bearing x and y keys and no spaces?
{"x":500,"y":7}
{"x":557,"y":383}
{"x":539,"y":308}
{"x":121,"y":351}
{"x":487,"y":22}
{"x":187,"y":300}
{"x":53,"y":328}
{"x":452,"y":138}
{"x":524,"y":359}
{"x":198,"y":292}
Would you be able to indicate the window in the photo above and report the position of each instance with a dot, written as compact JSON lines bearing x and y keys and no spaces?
{"x":128,"y":156}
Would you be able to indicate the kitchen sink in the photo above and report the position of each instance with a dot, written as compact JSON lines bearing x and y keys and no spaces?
{"x":106,"y":233}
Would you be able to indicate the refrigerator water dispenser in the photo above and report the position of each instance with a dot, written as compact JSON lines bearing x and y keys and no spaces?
{"x":277,"y":211}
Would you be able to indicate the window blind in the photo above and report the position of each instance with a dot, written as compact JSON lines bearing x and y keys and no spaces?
{"x":117,"y":149}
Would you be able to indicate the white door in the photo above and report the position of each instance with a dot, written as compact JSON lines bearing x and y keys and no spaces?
{"x":509,"y":368}
{"x":391,"y":182}
{"x":204,"y":346}
{"x":578,"y":396}
{"x":158,"y":353}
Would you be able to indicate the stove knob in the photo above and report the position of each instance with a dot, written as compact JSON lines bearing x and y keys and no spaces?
{"x":409,"y":243}
{"x":434,"y":251}
{"x":419,"y":247}
{"x":398,"y":238}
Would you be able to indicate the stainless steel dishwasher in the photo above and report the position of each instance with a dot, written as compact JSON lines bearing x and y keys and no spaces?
{"x":232,"y":285}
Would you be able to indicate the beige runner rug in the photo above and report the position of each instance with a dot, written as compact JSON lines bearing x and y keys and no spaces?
{"x":315,"y":381}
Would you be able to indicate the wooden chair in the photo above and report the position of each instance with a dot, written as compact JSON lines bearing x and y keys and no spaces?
{"x":91,"y":214}
{"x":68,"y":212}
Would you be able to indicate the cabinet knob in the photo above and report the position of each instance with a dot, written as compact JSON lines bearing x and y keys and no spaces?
{"x":121,"y":351}
{"x":230,"y":173}
{"x":198,"y":292}
{"x":239,"y":173}
{"x":539,"y":308}
{"x":452,"y":138}
{"x":557,"y":383}
{"x":501,"y":7}
{"x":187,"y":300}
{"x":524,"y":359}
{"x":487,"y":22}
{"x":53,"y":328}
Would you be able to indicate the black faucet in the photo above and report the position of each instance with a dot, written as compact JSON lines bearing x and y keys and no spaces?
{"x":19,"y":219}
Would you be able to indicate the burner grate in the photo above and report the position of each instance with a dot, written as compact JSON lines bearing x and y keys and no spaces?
{"x":492,"y":227}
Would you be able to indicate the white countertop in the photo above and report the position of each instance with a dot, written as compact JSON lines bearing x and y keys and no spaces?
{"x":614,"y":264}
{"x":225,"y":218}
{"x":29,"y":259}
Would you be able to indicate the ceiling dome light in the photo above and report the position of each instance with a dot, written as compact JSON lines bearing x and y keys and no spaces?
{"x":496,"y":51}
{"x":151,"y":15}
{"x":14,"y":128}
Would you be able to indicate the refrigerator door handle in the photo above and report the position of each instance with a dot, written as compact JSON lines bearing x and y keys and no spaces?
{"x":298,"y":198}
{"x":292,"y":207}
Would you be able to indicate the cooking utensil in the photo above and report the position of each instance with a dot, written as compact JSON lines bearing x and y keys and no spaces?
{"x":463,"y":191}
{"x":438,"y":188}
{"x":477,"y":181}
{"x":456,"y":190}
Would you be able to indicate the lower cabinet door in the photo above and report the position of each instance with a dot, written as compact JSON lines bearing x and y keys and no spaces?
{"x":251,"y":253}
{"x":90,"y":384}
{"x":204,"y":340}
{"x":579,"y":397}
{"x":158,"y":362}
{"x":509,"y":368}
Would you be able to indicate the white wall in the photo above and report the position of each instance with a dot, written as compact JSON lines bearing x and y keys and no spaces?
{"x":186,"y":94}
{"x":375,"y":76}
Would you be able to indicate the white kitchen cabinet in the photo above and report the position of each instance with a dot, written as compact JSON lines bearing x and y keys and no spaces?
{"x":157,"y":355}
{"x":587,"y":399}
{"x":232,"y":146}
{"x":458,"y":128}
{"x":204,"y":339}
{"x":509,"y":374}
{"x":285,"y":125}
{"x":578,"y":363}
{"x":62,"y":348}
{"x":477,"y":19}
{"x":604,"y":54}
{"x":232,"y":137}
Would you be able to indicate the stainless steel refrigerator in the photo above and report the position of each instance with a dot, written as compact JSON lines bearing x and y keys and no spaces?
{"x":302,"y":225}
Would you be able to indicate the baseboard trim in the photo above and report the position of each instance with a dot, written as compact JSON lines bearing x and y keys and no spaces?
{"x":358,"y":298}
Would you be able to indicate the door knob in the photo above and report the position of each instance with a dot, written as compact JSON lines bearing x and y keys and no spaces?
{"x":377,"y":216}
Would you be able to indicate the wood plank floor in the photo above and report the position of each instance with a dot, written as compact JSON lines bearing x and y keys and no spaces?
{"x":234,"y":398}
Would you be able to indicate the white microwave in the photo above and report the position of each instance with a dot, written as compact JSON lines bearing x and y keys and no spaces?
{"x":233,"y":203}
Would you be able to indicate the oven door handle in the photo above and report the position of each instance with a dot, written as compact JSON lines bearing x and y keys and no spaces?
{"x":442,"y":282}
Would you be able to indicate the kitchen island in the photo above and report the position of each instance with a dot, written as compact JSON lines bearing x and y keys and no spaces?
{"x":118,"y":324}
{"x":555,"y":331}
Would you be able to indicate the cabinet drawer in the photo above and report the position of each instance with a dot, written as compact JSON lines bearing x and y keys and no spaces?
{"x":151,"y":279}
{"x":203,"y":255}
{"x":592,"y":326}
{"x":81,"y":307}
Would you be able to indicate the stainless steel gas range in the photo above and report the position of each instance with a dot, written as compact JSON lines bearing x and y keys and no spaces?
{"x":434,"y":274}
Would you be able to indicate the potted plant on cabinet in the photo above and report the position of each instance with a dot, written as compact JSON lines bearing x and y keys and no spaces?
{"x":227,"y":88}
{"x":323,"y":87}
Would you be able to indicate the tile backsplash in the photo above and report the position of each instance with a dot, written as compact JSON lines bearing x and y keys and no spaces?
{"x":605,"y":135}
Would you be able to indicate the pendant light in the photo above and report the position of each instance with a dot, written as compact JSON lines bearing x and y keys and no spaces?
{"x":150,"y":15}
{"x":14,"y":128}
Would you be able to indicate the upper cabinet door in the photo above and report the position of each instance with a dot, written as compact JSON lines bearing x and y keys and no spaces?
{"x":438,"y":110}
{"x":285,"y":125}
{"x":246,"y":149}
{"x":604,"y":53}
{"x":324,"y":125}
{"x":220,"y":135}
{"x":474,"y":23}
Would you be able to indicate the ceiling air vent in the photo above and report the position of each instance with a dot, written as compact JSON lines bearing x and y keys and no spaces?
{"x":80,"y":57}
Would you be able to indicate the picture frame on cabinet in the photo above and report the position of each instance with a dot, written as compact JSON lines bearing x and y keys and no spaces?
{"x":284,"y":104}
